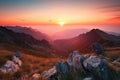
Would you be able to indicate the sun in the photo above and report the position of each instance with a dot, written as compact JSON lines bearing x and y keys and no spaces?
{"x":61,"y":23}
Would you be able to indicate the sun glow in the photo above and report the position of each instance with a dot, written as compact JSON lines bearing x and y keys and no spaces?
{"x":61,"y":23}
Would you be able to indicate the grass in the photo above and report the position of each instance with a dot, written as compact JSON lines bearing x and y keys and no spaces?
{"x":36,"y":64}
{"x":31,"y":64}
{"x":112,"y":53}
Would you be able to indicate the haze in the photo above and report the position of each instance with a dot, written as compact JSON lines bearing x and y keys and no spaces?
{"x":45,"y":15}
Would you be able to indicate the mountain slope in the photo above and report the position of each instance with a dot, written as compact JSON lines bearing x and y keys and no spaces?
{"x":8,"y":36}
{"x":84,"y":42}
{"x":23,"y":42}
{"x":36,"y":34}
{"x":69,"y":33}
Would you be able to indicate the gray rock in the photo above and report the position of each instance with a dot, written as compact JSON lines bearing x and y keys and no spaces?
{"x":61,"y":67}
{"x":97,"y":67}
{"x":36,"y":76}
{"x":11,"y":65}
{"x":75,"y":60}
{"x":88,"y":78}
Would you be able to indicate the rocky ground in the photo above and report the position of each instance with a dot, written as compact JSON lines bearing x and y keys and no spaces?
{"x":32,"y":67}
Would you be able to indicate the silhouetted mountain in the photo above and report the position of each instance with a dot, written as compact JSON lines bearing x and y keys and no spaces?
{"x":27,"y":30}
{"x":21,"y":39}
{"x":69,"y":33}
{"x":84,"y":42}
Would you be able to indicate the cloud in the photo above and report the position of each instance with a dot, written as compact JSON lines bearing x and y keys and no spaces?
{"x":114,"y":20}
{"x":109,"y":6}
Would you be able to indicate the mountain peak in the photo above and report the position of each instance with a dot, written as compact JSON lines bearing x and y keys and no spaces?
{"x":96,"y":30}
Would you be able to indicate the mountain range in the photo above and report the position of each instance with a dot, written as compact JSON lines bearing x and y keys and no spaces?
{"x":34,"y":40}
{"x":30,"y":31}
{"x":84,"y":42}
{"x":24,"y":42}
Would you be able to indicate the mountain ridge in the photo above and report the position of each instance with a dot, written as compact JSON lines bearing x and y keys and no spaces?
{"x":84,"y":42}
{"x":21,"y":41}
{"x":27,"y":30}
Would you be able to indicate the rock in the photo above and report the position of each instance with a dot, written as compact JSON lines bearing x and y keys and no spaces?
{"x":92,"y":61}
{"x":17,"y":60}
{"x":50,"y":72}
{"x":9,"y":66}
{"x":98,"y":48}
{"x":44,"y":74}
{"x":96,"y":67}
{"x":75,"y":60}
{"x":36,"y":76}
{"x":61,"y":67}
{"x":117,"y":62}
{"x":88,"y":78}
{"x":17,"y":54}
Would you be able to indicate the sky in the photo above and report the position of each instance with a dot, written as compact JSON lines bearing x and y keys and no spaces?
{"x":52,"y":15}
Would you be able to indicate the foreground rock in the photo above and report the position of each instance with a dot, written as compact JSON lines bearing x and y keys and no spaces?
{"x":96,"y":67}
{"x":36,"y":76}
{"x":78,"y":67}
{"x":12,"y":65}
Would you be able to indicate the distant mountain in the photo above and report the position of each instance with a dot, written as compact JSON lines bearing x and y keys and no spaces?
{"x":22,"y":40}
{"x":27,"y":30}
{"x":84,"y":41}
{"x":69,"y":33}
{"x":114,"y":33}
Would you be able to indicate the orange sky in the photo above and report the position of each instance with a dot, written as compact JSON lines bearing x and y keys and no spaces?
{"x":47,"y":13}
{"x":31,"y":12}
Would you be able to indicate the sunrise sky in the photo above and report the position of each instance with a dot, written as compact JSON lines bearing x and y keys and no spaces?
{"x":61,"y":13}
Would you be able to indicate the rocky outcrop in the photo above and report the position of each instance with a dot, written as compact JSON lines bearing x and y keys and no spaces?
{"x":96,"y":67}
{"x":11,"y":65}
{"x":78,"y":67}
{"x":36,"y":76}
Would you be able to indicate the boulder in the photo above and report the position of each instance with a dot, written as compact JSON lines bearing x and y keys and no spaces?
{"x":36,"y":76}
{"x":98,"y":48}
{"x":17,"y":60}
{"x":9,"y":66}
{"x":62,"y":67}
{"x":96,"y":67}
{"x":75,"y":60}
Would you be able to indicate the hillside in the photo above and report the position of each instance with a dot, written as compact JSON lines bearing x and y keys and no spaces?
{"x":31,"y":64}
{"x":84,"y":42}
{"x":21,"y":41}
{"x":27,"y":30}
{"x":34,"y":64}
